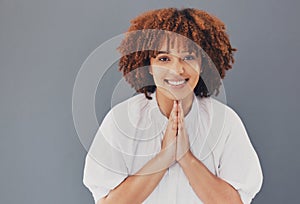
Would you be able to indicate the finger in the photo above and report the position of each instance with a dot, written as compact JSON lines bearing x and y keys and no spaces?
{"x":180,"y":112}
{"x":173,"y":118}
{"x":173,"y":111}
{"x":179,"y":127}
{"x":175,"y":123}
{"x":175,"y":108}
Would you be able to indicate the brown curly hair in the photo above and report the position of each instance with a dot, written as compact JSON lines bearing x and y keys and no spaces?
{"x":205,"y":30}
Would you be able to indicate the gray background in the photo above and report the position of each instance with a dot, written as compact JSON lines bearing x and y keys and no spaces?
{"x":43,"y":44}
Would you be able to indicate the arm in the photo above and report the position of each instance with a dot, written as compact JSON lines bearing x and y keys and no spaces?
{"x":208,"y":187}
{"x":136,"y":188}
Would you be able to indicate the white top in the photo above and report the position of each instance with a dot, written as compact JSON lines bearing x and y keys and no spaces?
{"x":131,"y":134}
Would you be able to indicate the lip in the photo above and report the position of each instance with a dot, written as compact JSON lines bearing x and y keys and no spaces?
{"x":176,"y":78}
{"x":176,"y":86}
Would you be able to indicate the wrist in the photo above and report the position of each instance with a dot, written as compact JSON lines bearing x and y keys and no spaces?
{"x":167,"y":155}
{"x":186,"y":159}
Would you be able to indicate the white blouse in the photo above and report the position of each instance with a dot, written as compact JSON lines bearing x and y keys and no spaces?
{"x":131,"y":134}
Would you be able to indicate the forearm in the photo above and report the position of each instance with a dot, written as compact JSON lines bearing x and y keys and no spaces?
{"x":136,"y":188}
{"x":208,"y":187}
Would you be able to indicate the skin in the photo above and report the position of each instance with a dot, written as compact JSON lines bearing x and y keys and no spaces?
{"x":174,"y":104}
{"x":172,"y":64}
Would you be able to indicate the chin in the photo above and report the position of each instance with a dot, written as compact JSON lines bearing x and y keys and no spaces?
{"x":177,"y":96}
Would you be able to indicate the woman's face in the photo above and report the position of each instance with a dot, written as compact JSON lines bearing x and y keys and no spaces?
{"x":175,"y":72}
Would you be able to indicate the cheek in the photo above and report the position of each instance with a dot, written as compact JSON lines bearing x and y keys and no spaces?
{"x":197,"y":68}
{"x":194,"y":80}
{"x":157,"y":77}
{"x":159,"y":73}
{"x":194,"y":73}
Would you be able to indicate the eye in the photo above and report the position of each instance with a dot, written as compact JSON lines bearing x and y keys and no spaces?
{"x":163,"y":58}
{"x":189,"y":57}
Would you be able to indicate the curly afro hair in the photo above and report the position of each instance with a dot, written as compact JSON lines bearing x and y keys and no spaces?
{"x":148,"y":30}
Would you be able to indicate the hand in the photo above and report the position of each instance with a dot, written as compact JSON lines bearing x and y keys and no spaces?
{"x":169,"y":141}
{"x":182,"y":144}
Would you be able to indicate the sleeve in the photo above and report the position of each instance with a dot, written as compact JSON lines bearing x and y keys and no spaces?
{"x":239,"y":163}
{"x":105,"y":167}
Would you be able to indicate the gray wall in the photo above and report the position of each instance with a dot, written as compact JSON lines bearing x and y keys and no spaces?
{"x":44,"y":43}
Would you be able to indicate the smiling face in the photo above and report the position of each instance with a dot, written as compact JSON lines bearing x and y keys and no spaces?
{"x":175,"y":72}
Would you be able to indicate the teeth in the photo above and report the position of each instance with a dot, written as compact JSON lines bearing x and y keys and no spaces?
{"x":176,"y":83}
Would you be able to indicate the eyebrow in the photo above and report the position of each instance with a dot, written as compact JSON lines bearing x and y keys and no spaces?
{"x":168,"y":52}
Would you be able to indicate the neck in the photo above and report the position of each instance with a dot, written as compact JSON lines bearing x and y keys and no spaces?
{"x":165,"y":104}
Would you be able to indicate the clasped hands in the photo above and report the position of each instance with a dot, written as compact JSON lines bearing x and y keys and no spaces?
{"x":176,"y":141}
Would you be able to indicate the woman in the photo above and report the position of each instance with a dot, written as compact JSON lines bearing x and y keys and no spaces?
{"x":173,"y":143}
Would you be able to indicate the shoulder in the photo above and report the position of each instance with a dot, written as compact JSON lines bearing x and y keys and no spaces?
{"x":127,"y":113}
{"x":211,"y":104}
{"x":130,"y":107}
{"x":136,"y":102}
{"x":220,"y":115}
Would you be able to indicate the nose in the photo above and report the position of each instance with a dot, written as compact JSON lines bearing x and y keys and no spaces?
{"x":178,"y":65}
